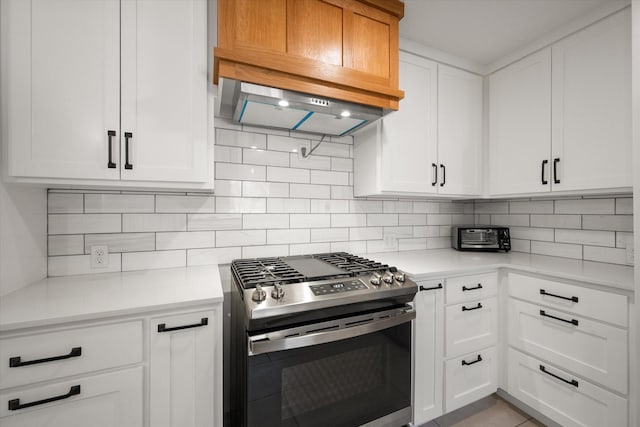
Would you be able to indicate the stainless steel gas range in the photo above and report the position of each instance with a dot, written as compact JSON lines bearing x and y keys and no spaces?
{"x":320,"y":340}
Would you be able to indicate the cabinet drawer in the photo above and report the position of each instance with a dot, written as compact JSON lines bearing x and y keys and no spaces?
{"x":470,"y":377}
{"x":84,"y":350}
{"x":113,"y":399}
{"x":469,"y":288}
{"x":591,"y":349}
{"x":600,"y":305}
{"x":470,"y":326}
{"x":579,"y":405}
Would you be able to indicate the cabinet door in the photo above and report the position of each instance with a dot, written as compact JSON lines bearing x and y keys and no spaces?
{"x":459,"y":131}
{"x":592,"y":106}
{"x":428,"y":334}
{"x":60,"y":72}
{"x":471,"y":325}
{"x":164,"y":90}
{"x":108,"y":400}
{"x":409,"y":145}
{"x":470,"y":377}
{"x":183,"y":366}
{"x":520,"y":126}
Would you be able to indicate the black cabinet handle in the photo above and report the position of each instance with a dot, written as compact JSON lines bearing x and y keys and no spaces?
{"x":570,"y":382}
{"x":110,"y":134}
{"x":127,"y":137}
{"x":572,"y":321}
{"x":422,"y":288}
{"x":479,"y":286}
{"x":444,"y":175}
{"x":465,"y":308}
{"x":465,"y":363}
{"x":555,"y":171}
{"x":15,"y":362}
{"x":435,"y":174}
{"x":543,"y":292}
{"x":14,"y":404}
{"x":162,"y":327}
{"x":544,"y":182}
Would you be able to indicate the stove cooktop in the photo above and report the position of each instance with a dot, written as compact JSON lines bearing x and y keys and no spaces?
{"x":282,"y":286}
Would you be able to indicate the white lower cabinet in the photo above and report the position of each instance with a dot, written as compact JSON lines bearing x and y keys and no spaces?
{"x":108,"y":400}
{"x":428,"y":343}
{"x":182,"y":364}
{"x":595,"y":350}
{"x":471,"y":325}
{"x":563,"y":397}
{"x":470,"y":377}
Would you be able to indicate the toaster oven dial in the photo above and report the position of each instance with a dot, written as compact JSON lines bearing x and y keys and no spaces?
{"x":375,"y":279}
{"x":387,"y":278}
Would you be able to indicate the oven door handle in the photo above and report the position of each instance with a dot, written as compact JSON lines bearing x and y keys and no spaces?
{"x":260,"y":344}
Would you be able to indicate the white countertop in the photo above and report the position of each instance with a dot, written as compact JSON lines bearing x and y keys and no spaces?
{"x":74,"y":298}
{"x":441,"y":262}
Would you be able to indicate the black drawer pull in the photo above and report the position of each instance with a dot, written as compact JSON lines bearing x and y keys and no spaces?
{"x":162,"y":327}
{"x":127,"y":137}
{"x":572,"y":382}
{"x":465,"y":308}
{"x":110,"y":134}
{"x":435,"y":174}
{"x":555,"y":171}
{"x":544,"y":182}
{"x":15,"y":362}
{"x":14,"y":404}
{"x":465,"y":363}
{"x":422,"y":288}
{"x":572,"y":321}
{"x":479,"y":286}
{"x":444,"y":175}
{"x":543,"y":292}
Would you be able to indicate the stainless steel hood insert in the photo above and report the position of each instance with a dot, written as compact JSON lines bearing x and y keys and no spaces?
{"x":263,"y":106}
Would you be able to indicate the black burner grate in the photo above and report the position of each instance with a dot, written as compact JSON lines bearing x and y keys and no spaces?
{"x":351,"y":263}
{"x":264,"y":271}
{"x":267,"y":271}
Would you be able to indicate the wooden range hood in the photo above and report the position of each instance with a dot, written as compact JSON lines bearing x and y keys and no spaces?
{"x":342,"y":49}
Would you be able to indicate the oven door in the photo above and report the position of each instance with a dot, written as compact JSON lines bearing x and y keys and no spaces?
{"x":346,"y":372}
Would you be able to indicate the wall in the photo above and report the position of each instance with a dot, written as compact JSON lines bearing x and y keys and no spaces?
{"x":269,"y":201}
{"x":23,"y":236}
{"x":589,"y":228}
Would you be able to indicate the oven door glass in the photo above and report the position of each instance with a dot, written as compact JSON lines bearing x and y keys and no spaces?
{"x":349,"y":382}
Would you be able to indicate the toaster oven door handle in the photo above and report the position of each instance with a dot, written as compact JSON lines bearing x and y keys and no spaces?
{"x":260,"y":344}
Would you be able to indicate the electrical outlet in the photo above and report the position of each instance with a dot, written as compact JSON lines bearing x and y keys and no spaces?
{"x":630,"y":251}
{"x":99,"y":256}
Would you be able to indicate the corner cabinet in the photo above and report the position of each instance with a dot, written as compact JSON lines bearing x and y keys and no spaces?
{"x":106,"y":92}
{"x":560,"y":119}
{"x":344,"y":49}
{"x":433,"y":144}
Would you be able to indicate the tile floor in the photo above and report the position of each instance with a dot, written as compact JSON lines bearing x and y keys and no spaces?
{"x":488,"y":412}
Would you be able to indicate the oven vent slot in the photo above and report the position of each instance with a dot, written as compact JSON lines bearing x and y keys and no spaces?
{"x":328,"y":328}
{"x":359,"y":322}
{"x":297,"y":334}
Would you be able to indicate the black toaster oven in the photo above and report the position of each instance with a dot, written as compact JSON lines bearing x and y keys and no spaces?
{"x":480,"y":238}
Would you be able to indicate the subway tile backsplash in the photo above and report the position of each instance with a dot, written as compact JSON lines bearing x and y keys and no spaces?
{"x":270,"y":201}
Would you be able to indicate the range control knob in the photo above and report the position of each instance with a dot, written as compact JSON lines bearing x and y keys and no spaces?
{"x":375,"y":279}
{"x":388,"y":278}
{"x":278,"y":291}
{"x":259,"y":294}
{"x":399,"y":276}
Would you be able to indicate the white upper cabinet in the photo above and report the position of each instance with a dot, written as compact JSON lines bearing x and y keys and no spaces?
{"x":106,"y":92}
{"x":520,"y":126}
{"x":560,"y":119}
{"x":61,"y":61}
{"x":432,"y":145}
{"x":164,"y":90}
{"x":592,"y":107}
{"x":459,"y":131}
